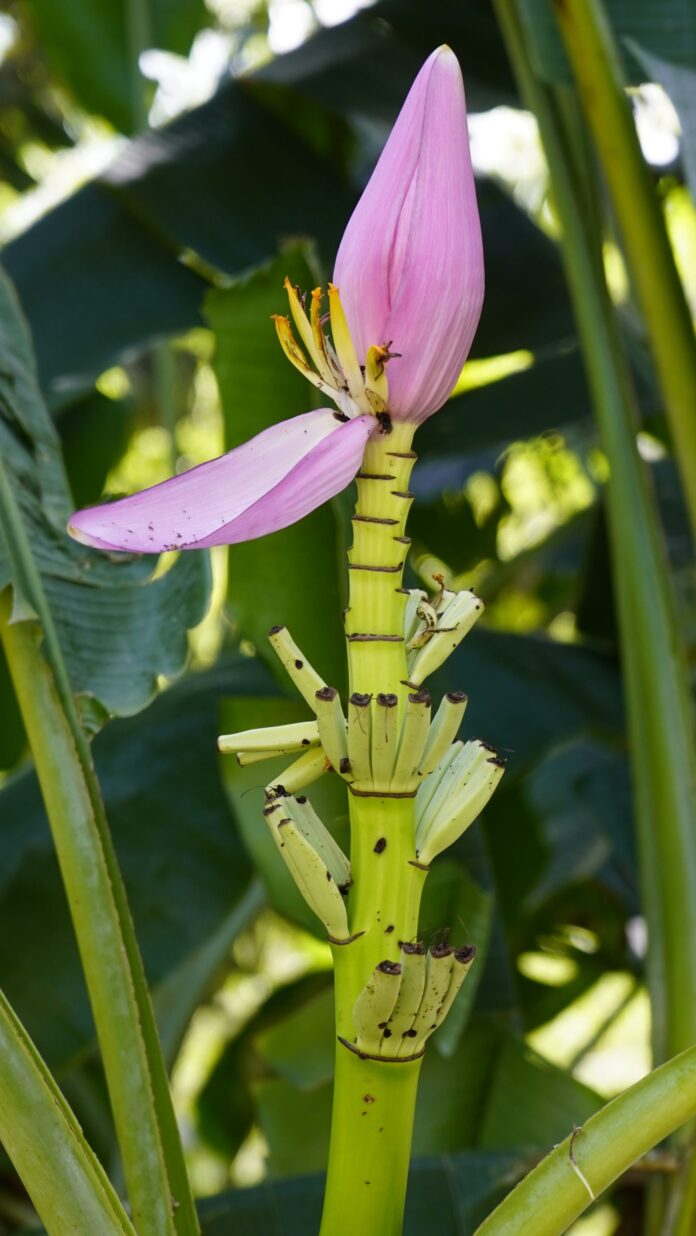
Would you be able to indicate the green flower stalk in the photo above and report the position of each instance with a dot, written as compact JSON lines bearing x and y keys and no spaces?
{"x":410,"y":273}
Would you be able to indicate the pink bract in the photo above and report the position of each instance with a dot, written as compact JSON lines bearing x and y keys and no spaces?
{"x":410,"y":264}
{"x":271,"y":481}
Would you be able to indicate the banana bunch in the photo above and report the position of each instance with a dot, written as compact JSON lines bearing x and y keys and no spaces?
{"x":316,"y":862}
{"x":403,"y":1002}
{"x":434,"y":627}
{"x":454,"y":794}
{"x":378,"y":753}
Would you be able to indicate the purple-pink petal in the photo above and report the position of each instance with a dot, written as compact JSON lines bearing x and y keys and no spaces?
{"x":410,"y":265}
{"x":268,"y":483}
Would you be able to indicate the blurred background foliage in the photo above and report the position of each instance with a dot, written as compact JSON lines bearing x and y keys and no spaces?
{"x":164,"y":165}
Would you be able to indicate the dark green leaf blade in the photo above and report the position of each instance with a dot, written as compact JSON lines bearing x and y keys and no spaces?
{"x":118,"y":630}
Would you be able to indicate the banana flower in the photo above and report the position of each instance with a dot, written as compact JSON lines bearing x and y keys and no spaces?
{"x":403,"y":309}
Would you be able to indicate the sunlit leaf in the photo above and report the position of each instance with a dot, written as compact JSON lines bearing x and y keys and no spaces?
{"x":118,"y":630}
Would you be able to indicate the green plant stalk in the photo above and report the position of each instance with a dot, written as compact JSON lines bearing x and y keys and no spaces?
{"x":597,"y":70}
{"x":660,"y":716}
{"x":553,"y":1194}
{"x":374,"y":1100}
{"x":65,"y":1181}
{"x":154,"y":1168}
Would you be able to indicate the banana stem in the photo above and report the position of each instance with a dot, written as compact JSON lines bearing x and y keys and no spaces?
{"x":371,"y":1131}
{"x":374,"y":1099}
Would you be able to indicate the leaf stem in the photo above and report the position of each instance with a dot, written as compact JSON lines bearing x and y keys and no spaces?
{"x":146,"y":1128}
{"x":553,"y":1194}
{"x":660,"y":717}
{"x":596,"y":66}
{"x":63,"y":1177}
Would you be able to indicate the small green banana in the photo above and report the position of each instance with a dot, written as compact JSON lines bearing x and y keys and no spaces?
{"x":332,"y":729}
{"x":384,"y":739}
{"x":414,"y":732}
{"x":458,"y":811}
{"x":360,"y":736}
{"x":270,"y":741}
{"x":305,"y":678}
{"x":374,"y":1006}
{"x":312,"y":877}
{"x":413,"y":967}
{"x":443,"y":731}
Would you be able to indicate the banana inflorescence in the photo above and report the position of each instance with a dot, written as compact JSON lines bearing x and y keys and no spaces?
{"x":383,"y":748}
{"x":403,"y":1002}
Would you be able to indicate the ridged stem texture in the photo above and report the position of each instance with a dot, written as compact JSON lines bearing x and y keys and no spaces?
{"x":374,"y":1100}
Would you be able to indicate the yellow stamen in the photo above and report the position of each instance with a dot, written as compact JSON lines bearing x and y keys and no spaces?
{"x":307,"y":335}
{"x":376,"y":384}
{"x":320,"y":338}
{"x":345,"y":350}
{"x":294,"y":352}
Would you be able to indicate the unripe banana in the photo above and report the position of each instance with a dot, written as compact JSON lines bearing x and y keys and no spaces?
{"x":313,"y":878}
{"x":317,"y":834}
{"x":374,"y":1006}
{"x":455,"y":817}
{"x":463,"y":959}
{"x":452,"y":625}
{"x":443,"y":731}
{"x":414,"y":732}
{"x":332,"y":729}
{"x":437,"y":983}
{"x":384,"y":739}
{"x":413,"y":967}
{"x":430,"y":786}
{"x":272,"y":740}
{"x":360,"y":736}
{"x":452,"y":785}
{"x":310,"y":766}
{"x":305,"y":678}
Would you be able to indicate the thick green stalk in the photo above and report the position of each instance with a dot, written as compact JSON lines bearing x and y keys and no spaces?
{"x":146,"y":1128}
{"x":597,"y":70}
{"x":371,"y":1131}
{"x":660,"y":717}
{"x":552,"y":1196}
{"x":374,"y":1100}
{"x":65,"y":1181}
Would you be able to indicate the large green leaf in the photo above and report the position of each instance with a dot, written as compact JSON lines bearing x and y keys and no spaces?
{"x":470,"y":1099}
{"x":173,"y":191}
{"x":94,"y":433}
{"x":118,"y":630}
{"x":365,"y":66}
{"x":292,"y":577}
{"x":95,"y":282}
{"x":448,"y":1195}
{"x":183,"y":862}
{"x":225,"y":1106}
{"x":94,"y":48}
{"x":666,"y":29}
{"x":528,"y":692}
{"x":549,"y":394}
